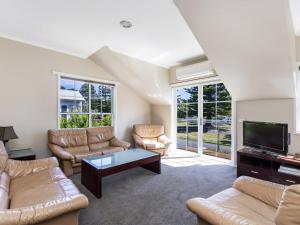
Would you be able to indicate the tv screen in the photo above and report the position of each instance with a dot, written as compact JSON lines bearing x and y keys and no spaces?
{"x":267,"y":136}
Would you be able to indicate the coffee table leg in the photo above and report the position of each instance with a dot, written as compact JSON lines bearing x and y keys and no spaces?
{"x":91,"y":179}
{"x":154,"y":167}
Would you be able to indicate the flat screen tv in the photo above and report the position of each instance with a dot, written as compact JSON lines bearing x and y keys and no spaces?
{"x":271,"y":137}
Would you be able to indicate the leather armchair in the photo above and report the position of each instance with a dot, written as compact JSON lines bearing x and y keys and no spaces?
{"x":250,"y":201}
{"x":151,"y":137}
{"x":70,"y":146}
{"x":37,"y":192}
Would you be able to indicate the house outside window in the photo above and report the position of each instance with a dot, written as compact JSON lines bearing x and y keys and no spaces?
{"x":85,"y":103}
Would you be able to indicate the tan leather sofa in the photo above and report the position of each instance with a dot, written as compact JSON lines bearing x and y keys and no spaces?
{"x":37,"y":192}
{"x":250,"y":201}
{"x":151,"y":137}
{"x":72,"y":145}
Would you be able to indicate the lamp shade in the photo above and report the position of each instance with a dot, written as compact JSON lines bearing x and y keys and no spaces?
{"x":7,"y":133}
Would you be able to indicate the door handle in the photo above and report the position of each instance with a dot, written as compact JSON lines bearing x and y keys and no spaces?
{"x":255,"y":172}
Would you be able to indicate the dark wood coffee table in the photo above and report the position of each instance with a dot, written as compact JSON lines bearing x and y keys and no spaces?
{"x":94,"y":168}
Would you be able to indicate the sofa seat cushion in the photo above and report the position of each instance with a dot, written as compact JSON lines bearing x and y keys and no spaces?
{"x":109,"y":150}
{"x":4,"y":181}
{"x":77,"y":149}
{"x":44,"y":192}
{"x":233,"y":202}
{"x":99,"y":145}
{"x":80,"y":156}
{"x":151,"y":144}
{"x":34,"y":180}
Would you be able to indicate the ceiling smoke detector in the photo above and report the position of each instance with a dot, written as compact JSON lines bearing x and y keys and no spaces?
{"x":125,"y":24}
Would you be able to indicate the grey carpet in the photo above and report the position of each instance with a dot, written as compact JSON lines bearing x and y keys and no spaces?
{"x":140,"y":197}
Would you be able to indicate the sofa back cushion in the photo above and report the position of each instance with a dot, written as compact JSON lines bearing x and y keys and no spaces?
{"x":267,"y":192}
{"x":148,"y":130}
{"x":99,"y":134}
{"x":289,"y":208}
{"x":72,"y":140}
{"x":3,"y":157}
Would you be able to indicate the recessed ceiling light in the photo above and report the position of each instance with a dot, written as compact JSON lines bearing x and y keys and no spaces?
{"x":125,"y":23}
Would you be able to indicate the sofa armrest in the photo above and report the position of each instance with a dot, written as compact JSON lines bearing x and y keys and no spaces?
{"x":16,"y":168}
{"x":44,"y":211}
{"x":214,"y":214}
{"x":118,"y":143}
{"x":164,"y":139}
{"x":61,"y":153}
{"x":289,"y":208}
{"x":138,"y":141}
{"x":268,"y":192}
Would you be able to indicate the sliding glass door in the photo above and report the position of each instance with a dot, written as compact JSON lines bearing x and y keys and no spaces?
{"x":204,"y":120}
{"x":216,"y":121}
{"x":187,"y":118}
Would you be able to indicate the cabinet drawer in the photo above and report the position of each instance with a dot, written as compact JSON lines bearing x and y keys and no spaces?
{"x":253,"y":171}
{"x":286,"y":179}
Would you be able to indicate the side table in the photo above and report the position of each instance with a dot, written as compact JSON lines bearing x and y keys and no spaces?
{"x":22,"y":154}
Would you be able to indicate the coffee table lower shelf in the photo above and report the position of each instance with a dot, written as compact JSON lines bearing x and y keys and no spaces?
{"x":91,"y":177}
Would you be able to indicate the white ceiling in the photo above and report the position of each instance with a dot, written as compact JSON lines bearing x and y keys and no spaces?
{"x":295,"y":10}
{"x":78,"y":27}
{"x":250,"y":43}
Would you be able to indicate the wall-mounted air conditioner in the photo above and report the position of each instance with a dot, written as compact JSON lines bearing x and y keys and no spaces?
{"x":195,"y":71}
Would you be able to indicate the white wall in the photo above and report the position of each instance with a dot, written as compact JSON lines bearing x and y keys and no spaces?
{"x":275,"y":110}
{"x":29,"y":93}
{"x":298,"y":49}
{"x":161,"y":114}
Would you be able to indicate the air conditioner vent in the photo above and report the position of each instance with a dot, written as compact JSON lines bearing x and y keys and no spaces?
{"x":195,"y":71}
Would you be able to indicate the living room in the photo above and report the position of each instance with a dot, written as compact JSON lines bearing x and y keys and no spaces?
{"x":150,"y":112}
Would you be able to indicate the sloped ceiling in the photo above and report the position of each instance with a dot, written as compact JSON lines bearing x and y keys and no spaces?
{"x":250,"y":43}
{"x":159,"y":34}
{"x":148,"y":80}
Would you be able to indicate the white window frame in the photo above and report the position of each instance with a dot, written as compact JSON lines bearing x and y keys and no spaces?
{"x":114,"y":85}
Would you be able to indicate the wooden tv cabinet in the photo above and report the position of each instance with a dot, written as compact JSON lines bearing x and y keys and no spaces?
{"x":265,"y":166}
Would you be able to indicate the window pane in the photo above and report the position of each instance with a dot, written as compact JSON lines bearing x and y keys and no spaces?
{"x":181,"y":137}
{"x":73,"y":96}
{"x":192,"y":139}
{"x":67,"y":95}
{"x":96,"y":90}
{"x":74,"y":121}
{"x":67,"y":84}
{"x":209,"y":111}
{"x":106,"y":99}
{"x":187,"y":95}
{"x":182,"y":111}
{"x":224,"y":111}
{"x":209,"y":93}
{"x":82,"y":96}
{"x":223,"y":94}
{"x":96,"y":105}
{"x":101,"y":120}
{"x":192,"y":114}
